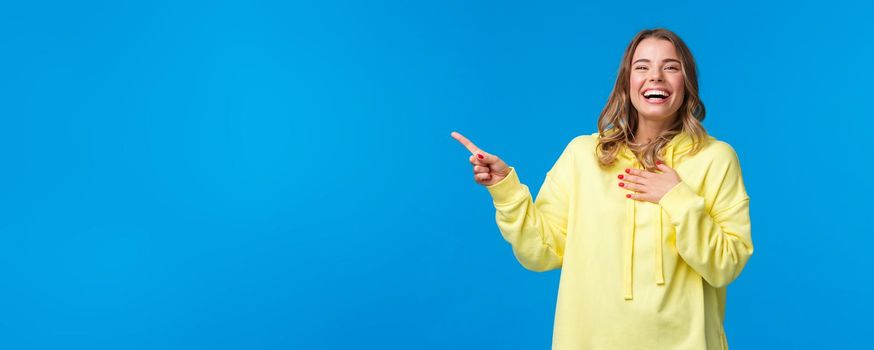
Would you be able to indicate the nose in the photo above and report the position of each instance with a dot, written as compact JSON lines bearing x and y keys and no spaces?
{"x":655,"y":75}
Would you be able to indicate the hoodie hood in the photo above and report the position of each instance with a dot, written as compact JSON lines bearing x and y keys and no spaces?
{"x":678,"y":146}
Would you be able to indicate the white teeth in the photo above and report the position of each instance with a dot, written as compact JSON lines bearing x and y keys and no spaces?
{"x":649,"y":93}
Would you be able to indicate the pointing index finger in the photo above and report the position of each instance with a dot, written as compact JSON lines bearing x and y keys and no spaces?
{"x":464,"y":141}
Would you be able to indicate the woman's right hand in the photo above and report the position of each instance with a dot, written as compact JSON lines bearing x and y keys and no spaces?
{"x":488,"y":169}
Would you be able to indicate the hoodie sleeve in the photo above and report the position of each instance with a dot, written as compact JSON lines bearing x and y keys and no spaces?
{"x":536,"y":229}
{"x":716,"y":243}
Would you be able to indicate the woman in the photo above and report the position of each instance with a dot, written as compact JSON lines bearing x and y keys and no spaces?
{"x":648,"y":218}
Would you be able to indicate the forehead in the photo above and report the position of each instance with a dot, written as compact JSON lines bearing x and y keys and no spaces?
{"x":655,"y":50}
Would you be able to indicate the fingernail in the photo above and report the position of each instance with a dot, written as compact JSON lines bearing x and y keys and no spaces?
{"x":627,"y":171}
{"x":621,"y":177}
{"x":480,"y":156}
{"x":628,"y":196}
{"x":621,"y":184}
{"x":658,"y":162}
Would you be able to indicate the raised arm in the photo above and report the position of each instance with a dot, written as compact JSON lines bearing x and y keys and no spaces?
{"x":536,"y":230}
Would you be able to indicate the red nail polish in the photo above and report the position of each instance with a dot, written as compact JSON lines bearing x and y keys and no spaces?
{"x":621,"y":184}
{"x":621,"y":177}
{"x":658,"y":162}
{"x":627,"y":196}
{"x":627,"y":171}
{"x":480,"y":156}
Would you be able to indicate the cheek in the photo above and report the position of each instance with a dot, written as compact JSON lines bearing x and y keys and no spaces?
{"x":636,"y":82}
{"x":635,"y":85}
{"x":679,"y":89}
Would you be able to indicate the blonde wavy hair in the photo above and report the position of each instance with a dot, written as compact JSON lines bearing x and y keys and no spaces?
{"x":619,"y":121}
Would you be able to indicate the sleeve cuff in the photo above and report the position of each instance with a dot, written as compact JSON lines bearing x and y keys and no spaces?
{"x":679,"y":199}
{"x":508,"y":189}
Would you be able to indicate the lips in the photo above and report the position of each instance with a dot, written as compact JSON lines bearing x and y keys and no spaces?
{"x":656,"y":95}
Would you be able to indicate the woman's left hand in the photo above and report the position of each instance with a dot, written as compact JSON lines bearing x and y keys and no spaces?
{"x":649,"y":186}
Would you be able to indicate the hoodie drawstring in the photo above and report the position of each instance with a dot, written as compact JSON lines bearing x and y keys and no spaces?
{"x":628,"y":273}
{"x":660,"y":268}
{"x":660,"y":262}
{"x":630,"y":228}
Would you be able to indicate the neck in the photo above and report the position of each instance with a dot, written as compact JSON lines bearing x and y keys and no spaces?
{"x":649,"y":130}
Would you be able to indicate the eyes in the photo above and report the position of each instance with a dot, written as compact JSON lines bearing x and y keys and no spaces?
{"x":672,"y":68}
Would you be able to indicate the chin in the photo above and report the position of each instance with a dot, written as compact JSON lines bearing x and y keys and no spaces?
{"x":655,"y":115}
{"x":657,"y":112}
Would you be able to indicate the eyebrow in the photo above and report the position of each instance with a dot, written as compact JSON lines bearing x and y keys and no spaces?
{"x":666,"y":60}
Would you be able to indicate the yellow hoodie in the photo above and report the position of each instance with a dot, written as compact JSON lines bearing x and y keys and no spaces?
{"x":634,"y":275}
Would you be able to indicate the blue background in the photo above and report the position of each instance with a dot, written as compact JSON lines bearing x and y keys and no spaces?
{"x":275,"y":175}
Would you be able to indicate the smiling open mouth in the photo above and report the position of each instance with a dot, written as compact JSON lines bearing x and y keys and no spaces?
{"x":656,"y":95}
